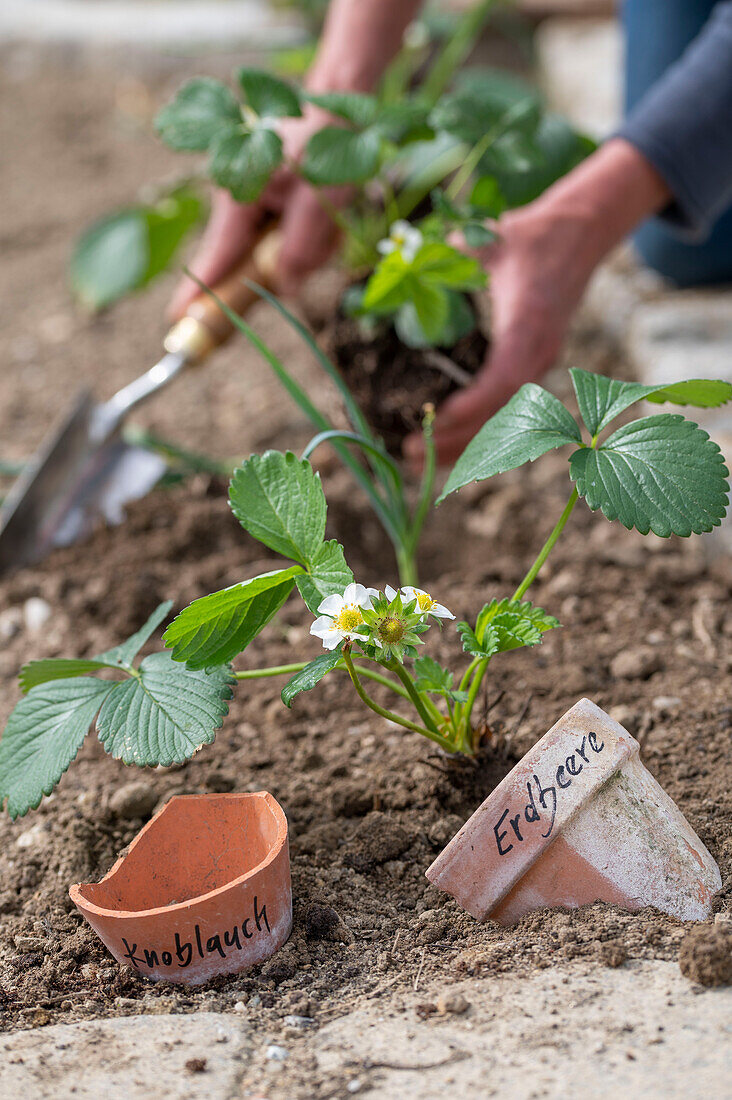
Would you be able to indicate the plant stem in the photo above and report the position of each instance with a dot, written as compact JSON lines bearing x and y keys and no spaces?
{"x":478,"y":665}
{"x":273,"y":670}
{"x":455,"y":51}
{"x":290,"y":670}
{"x":388,"y":714}
{"x":418,"y":702}
{"x":472,"y":160}
{"x":428,"y":482}
{"x":546,"y":548}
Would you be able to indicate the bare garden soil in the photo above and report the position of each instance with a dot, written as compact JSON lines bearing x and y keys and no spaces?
{"x":369,"y":806}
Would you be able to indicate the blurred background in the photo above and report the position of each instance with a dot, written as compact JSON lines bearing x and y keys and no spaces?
{"x":81,"y":82}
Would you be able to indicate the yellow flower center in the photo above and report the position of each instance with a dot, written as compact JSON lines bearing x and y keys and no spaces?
{"x":425,"y":601}
{"x":391,"y":630}
{"x":348,"y":618}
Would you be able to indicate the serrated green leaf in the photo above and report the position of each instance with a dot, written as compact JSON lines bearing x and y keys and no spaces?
{"x":110,"y":259}
{"x":125,"y":251}
{"x":168,"y":223}
{"x":530,"y":424}
{"x":556,"y":149}
{"x":487,"y":197}
{"x":431,"y":676}
{"x":165,"y":713}
{"x":243,"y":162}
{"x":432,"y":308}
{"x":478,"y":235}
{"x":329,"y":575}
{"x":200,"y":109}
{"x":661,"y":474}
{"x":43,"y":735}
{"x":440,"y":265}
{"x":601,"y":399}
{"x":337,"y":156}
{"x":214,"y":629}
{"x":387,"y":289}
{"x":358,"y":109}
{"x":43,"y":672}
{"x":459,"y":322}
{"x":267,"y":95}
{"x":702,"y":393}
{"x":279,"y":500}
{"x":483,"y":103}
{"x":122,"y":656}
{"x":513,"y":623}
{"x":510,"y":156}
{"x":311,"y":675}
{"x":472,"y":645}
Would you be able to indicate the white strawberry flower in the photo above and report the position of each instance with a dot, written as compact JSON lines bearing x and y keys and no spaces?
{"x":425,"y":604}
{"x":340,"y":615}
{"x":403,"y":238}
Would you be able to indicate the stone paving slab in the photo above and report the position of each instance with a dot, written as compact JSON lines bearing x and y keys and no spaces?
{"x":135,"y":1057}
{"x":640,"y":1031}
{"x":573,"y":1030}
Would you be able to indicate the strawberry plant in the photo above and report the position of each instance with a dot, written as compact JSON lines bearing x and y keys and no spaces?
{"x":659,"y":473}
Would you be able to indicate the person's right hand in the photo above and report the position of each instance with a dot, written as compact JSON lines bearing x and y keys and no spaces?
{"x":308,"y":232}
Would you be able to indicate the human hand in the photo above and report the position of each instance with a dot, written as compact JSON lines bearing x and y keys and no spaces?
{"x":538,"y":270}
{"x":308,"y":233}
{"x":536,"y":274}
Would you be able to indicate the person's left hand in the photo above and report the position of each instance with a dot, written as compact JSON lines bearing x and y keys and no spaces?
{"x":537,"y":270}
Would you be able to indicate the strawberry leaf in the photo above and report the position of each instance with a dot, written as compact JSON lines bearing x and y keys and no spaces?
{"x":661,"y":474}
{"x":43,"y":735}
{"x":165,"y":713}
{"x":214,"y":629}
{"x":530,"y":424}
{"x":311,"y":675}
{"x":601,"y":399}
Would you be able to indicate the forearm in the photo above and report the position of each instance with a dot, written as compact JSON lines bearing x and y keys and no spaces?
{"x":607,"y":196}
{"x":359,"y":40}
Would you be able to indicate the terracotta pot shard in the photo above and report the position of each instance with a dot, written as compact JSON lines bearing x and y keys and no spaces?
{"x":579,"y":819}
{"x":204,"y":889}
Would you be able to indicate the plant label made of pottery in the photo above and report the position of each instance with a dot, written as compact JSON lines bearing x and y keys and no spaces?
{"x":579,"y":819}
{"x":204,"y":889}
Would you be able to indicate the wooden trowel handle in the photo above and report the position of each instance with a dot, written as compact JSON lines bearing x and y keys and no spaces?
{"x":204,"y":326}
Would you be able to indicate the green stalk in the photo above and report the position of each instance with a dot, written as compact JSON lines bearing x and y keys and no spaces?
{"x":472,"y":160}
{"x":388,"y":714}
{"x":290,"y":670}
{"x":455,"y":51}
{"x":479,"y":665}
{"x":417,"y":701}
{"x":547,"y":547}
{"x":427,"y":486}
{"x":273,"y":670}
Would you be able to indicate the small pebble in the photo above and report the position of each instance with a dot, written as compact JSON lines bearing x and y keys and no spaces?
{"x":11,"y":621}
{"x":298,"y":1023}
{"x":30,"y":943}
{"x":275,"y":1053}
{"x":453,"y":1004}
{"x":36,"y":613}
{"x":240,"y":1006}
{"x":354,"y":1086}
{"x":133,"y":800}
{"x":637,"y":663}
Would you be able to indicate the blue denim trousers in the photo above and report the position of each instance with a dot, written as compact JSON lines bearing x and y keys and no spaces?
{"x":656,"y":34}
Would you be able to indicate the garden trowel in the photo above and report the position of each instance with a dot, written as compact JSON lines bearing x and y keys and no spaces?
{"x":84,"y":472}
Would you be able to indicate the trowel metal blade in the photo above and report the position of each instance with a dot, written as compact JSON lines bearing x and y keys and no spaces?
{"x":74,"y":482}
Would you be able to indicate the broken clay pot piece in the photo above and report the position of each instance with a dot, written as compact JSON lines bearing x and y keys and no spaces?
{"x":579,"y":819}
{"x":204,"y":889}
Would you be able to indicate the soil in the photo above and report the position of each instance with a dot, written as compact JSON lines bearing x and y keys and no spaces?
{"x":391,"y":382}
{"x":369,"y":806}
